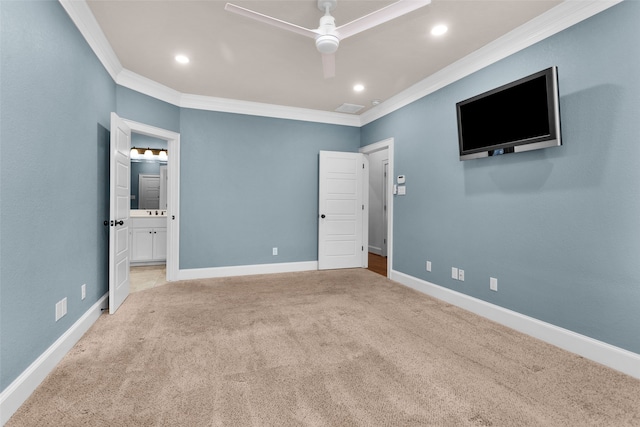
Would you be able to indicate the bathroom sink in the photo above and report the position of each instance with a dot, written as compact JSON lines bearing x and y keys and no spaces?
{"x":147,"y":212}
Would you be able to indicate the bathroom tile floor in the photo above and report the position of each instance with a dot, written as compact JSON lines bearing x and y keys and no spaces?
{"x":146,"y":277}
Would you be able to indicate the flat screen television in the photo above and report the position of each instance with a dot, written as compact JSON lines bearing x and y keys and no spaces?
{"x":520,"y":116}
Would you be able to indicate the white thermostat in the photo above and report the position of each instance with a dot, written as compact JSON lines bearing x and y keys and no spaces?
{"x":401,"y":179}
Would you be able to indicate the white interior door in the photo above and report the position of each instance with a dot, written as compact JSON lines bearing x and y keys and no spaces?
{"x":342,"y":224}
{"x":119,"y":199}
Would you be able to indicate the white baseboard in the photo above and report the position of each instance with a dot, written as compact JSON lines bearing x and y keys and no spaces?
{"x":614,"y":357}
{"x":246,"y":270}
{"x":21,"y":388}
{"x":375,"y":250}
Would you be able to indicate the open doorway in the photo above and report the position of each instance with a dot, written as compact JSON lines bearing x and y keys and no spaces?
{"x":148,"y":212}
{"x":380,"y":157}
{"x":154,"y":238}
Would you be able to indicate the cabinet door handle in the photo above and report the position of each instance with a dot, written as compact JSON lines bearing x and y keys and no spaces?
{"x":114,"y":223}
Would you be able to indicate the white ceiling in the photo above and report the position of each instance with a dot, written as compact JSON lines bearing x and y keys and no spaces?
{"x":242,"y":66}
{"x":237,"y":58}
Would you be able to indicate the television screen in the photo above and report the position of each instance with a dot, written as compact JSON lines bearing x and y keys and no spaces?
{"x":519,"y":116}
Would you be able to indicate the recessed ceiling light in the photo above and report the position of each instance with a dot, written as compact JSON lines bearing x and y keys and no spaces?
{"x":358,"y":87}
{"x":439,"y":30}
{"x":182,"y":59}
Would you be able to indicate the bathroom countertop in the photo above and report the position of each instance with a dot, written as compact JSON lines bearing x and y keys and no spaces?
{"x":147,"y":212}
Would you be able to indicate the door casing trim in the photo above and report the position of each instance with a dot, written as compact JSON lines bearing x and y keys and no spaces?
{"x":387,"y":144}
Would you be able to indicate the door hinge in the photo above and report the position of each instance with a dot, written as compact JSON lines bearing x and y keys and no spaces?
{"x":385,"y":241}
{"x":362,"y":207}
{"x":362,"y":248}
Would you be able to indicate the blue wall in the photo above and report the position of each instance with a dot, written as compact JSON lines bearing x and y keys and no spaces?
{"x":248,"y":184}
{"x":144,"y":109}
{"x":54,"y":153}
{"x":557,"y":227}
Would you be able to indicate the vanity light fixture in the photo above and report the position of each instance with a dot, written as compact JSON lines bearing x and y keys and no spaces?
{"x":149,"y":153}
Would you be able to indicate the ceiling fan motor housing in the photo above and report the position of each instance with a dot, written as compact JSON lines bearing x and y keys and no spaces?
{"x":327,"y":42}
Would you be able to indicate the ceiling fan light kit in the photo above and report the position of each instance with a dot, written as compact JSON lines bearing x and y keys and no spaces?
{"x":327,"y":36}
{"x":327,"y":43}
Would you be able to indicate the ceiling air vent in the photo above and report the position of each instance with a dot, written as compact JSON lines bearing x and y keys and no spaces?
{"x":349,"y":108}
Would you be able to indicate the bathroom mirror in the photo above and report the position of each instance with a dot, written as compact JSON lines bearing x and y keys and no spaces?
{"x":148,"y":174}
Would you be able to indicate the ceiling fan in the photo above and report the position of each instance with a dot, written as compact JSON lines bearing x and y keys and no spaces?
{"x":327,"y":35}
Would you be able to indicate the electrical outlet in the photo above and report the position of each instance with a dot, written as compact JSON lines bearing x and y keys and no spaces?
{"x":428,"y":265}
{"x":493,"y":284}
{"x":454,"y":273}
{"x":83,"y":291}
{"x":274,"y":251}
{"x":461,"y":275}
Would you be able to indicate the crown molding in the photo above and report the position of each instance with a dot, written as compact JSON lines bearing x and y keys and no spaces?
{"x":561,"y":17}
{"x":82,"y":17}
{"x":149,"y":87}
{"x":156,"y":90}
{"x":268,"y":110}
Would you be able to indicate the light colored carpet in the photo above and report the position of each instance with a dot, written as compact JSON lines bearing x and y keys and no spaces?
{"x":331,"y":348}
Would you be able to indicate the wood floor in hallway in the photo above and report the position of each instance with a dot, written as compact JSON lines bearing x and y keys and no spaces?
{"x":378,"y":264}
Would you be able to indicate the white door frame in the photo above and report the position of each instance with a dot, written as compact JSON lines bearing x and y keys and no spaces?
{"x":372,"y":148}
{"x":385,"y":203}
{"x":173,"y":191}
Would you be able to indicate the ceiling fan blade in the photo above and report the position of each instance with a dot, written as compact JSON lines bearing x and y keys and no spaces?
{"x":271,"y":21}
{"x":329,"y":65}
{"x":380,"y":16}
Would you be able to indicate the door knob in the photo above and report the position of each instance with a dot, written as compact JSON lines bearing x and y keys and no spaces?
{"x":322,"y":216}
{"x":121,"y":222}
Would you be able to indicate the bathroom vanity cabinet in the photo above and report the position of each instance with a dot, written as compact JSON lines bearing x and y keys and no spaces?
{"x":148,"y":239}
